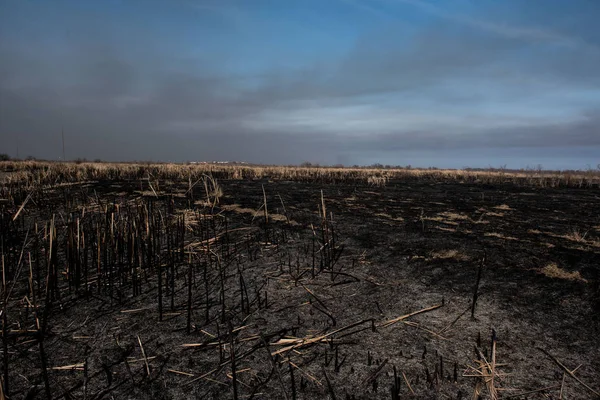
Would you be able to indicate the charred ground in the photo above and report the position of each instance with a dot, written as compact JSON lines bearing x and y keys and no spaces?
{"x":147,"y":289}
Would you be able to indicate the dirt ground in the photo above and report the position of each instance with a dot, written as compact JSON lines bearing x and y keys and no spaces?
{"x":286,"y":321}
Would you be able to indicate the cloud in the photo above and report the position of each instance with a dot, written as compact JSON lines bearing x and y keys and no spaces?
{"x":438,"y":87}
{"x":529,"y":33}
{"x":585,"y":132}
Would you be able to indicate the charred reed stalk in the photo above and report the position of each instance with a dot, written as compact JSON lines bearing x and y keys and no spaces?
{"x":189,"y":306}
{"x":5,"y":355}
{"x":476,"y":287}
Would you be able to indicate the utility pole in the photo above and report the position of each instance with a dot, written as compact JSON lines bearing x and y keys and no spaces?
{"x":62,"y":131}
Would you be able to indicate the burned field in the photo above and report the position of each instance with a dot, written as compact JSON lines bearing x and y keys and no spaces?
{"x":216,"y":287}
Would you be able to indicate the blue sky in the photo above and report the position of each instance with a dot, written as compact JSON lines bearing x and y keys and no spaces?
{"x":427,"y":83}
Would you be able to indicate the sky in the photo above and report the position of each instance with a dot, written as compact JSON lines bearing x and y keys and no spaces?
{"x":426,"y":83}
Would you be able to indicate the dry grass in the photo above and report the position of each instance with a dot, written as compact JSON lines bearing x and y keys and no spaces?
{"x":51,"y":173}
{"x":553,"y":271}
{"x":452,"y":254}
{"x":449,"y":218}
{"x":455,"y":216}
{"x":500,"y":236}
{"x":443,"y":228}
{"x":494,"y":214}
{"x":388,"y":216}
{"x":576,"y":236}
{"x":243,"y":210}
{"x":379,"y":181}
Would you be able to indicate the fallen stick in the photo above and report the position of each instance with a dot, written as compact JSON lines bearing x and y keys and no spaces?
{"x":408,"y":383}
{"x":398,"y":319}
{"x":312,"y":378}
{"x":418,"y":326}
{"x":144,"y":355}
{"x":311,"y":340}
{"x":180,"y":372}
{"x":569,"y":372}
{"x":134,"y":311}
{"x":203,"y":376}
{"x":68,"y":367}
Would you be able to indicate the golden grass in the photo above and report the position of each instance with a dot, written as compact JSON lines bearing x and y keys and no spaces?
{"x":51,"y":173}
{"x":388,"y":216}
{"x":500,"y":236}
{"x":580,"y":238}
{"x":451,"y":254}
{"x":448,"y":218}
{"x":553,"y":271}
{"x":454,"y":216}
{"x":443,"y":228}
{"x":494,"y":214}
{"x":375,"y":180}
{"x":243,"y":210}
{"x":576,"y":236}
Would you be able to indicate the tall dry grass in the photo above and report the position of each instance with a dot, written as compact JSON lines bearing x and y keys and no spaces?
{"x":52,"y":173}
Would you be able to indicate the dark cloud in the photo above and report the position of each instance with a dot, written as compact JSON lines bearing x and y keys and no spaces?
{"x":133,"y":101}
{"x":569,"y":134}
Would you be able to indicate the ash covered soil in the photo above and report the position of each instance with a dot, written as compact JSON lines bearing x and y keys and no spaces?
{"x":294,"y":306}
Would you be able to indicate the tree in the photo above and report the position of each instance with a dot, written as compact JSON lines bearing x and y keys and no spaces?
{"x":4,"y":157}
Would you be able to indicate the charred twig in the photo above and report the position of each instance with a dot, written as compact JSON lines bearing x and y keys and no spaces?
{"x":569,"y":372}
{"x":398,"y":319}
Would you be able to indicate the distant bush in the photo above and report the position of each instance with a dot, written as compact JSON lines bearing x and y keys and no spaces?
{"x":4,"y":157}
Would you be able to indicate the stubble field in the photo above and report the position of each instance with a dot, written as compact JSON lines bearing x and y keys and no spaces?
{"x":358,"y":286}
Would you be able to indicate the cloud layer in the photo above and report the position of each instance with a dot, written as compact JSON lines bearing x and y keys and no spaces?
{"x":413,"y":78}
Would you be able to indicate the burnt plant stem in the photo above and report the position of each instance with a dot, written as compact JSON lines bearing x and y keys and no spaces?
{"x":293,"y":380}
{"x":329,"y":386}
{"x":233,"y":367}
{"x":189,"y":307}
{"x":4,"y":338}
{"x":160,"y":310}
{"x":476,"y":288}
